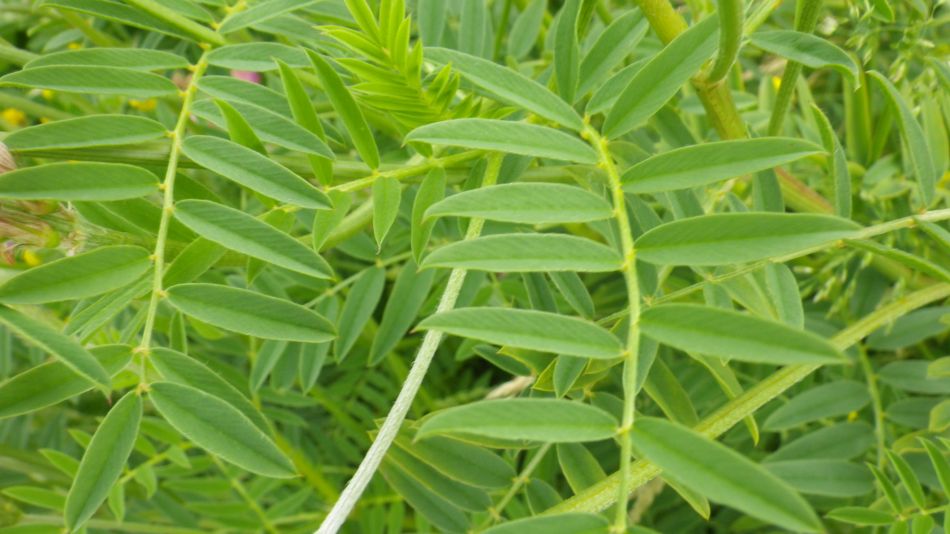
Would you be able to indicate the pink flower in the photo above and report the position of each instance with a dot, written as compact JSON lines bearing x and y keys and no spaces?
{"x":247,"y":75}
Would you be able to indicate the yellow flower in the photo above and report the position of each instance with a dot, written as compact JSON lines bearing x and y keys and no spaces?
{"x":14,"y":116}
{"x":143,"y":105}
{"x":776,"y":82}
{"x":47,"y":94}
{"x":74,"y":46}
{"x":31,"y":259}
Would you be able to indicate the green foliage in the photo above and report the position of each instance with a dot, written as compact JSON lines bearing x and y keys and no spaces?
{"x":501,"y":266}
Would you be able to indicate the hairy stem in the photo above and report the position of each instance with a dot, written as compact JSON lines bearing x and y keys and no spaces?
{"x":397,"y":414}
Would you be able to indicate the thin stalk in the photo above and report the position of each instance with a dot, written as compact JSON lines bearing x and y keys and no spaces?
{"x":805,"y":21}
{"x":242,"y":491}
{"x":632,"y":346}
{"x":604,"y":493}
{"x":397,"y":414}
{"x":168,"y":201}
{"x":877,"y":406}
{"x":730,"y":38}
{"x":519,"y":481}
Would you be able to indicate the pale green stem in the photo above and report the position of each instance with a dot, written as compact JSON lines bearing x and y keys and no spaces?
{"x":730,"y":39}
{"x":519,"y":481}
{"x":632,"y":345}
{"x":168,"y":201}
{"x":604,"y":493}
{"x":397,"y":414}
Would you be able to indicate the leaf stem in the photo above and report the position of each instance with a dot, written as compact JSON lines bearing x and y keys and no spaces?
{"x":397,"y":414}
{"x":730,"y":39}
{"x":806,"y":18}
{"x":519,"y":481}
{"x":168,"y":201}
{"x":632,"y":345}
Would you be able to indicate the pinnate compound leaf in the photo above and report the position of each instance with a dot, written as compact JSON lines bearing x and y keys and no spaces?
{"x":78,"y":181}
{"x":93,"y":130}
{"x":506,"y":136}
{"x":95,"y":80}
{"x":53,"y":382}
{"x":240,"y":232}
{"x":528,"y":329}
{"x":711,"y":162}
{"x":533,"y":203}
{"x":730,"y":238}
{"x":66,"y":348}
{"x":807,"y":49}
{"x":104,"y":460}
{"x":219,"y":428}
{"x":569,"y":523}
{"x":730,"y":334}
{"x":74,"y":277}
{"x":508,"y":85}
{"x":252,"y":170}
{"x":526,"y":253}
{"x":722,"y":474}
{"x":548,"y":420}
{"x":660,"y":79}
{"x":250,"y":313}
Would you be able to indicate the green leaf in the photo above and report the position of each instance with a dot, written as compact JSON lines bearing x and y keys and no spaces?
{"x":506,"y":136}
{"x":256,"y":57}
{"x":528,"y":329}
{"x":915,"y":146}
{"x":325,"y":221}
{"x":613,"y":45}
{"x":830,"y":478}
{"x":526,"y":253}
{"x":509,"y":86}
{"x":240,"y":232}
{"x":219,"y":428}
{"x":347,"y":109}
{"x":431,"y":191}
{"x":730,"y":334}
{"x":402,"y":307}
{"x":707,"y":163}
{"x":78,"y":181}
{"x":569,"y":523}
{"x":75,"y":277}
{"x":66,"y":348}
{"x":127,"y":58}
{"x":181,"y":369}
{"x":857,"y":515}
{"x":103,"y":460}
{"x":827,"y":400}
{"x":940,"y":464}
{"x":533,"y":203}
{"x":722,"y":474}
{"x":463,"y":462}
{"x":911,"y":375}
{"x":547,"y":420}
{"x":908,"y":478}
{"x":843,"y":441}
{"x":429,"y":504}
{"x":92,"y":130}
{"x":526,"y":28}
{"x":837,"y":164}
{"x":95,"y":80}
{"x":261,"y":12}
{"x":250,"y":313}
{"x":566,"y":50}
{"x":252,"y":170}
{"x":358,"y":309}
{"x":730,"y":238}
{"x":807,"y":49}
{"x":306,"y":116}
{"x":53,"y":382}
{"x":387,"y":194}
{"x":662,"y":77}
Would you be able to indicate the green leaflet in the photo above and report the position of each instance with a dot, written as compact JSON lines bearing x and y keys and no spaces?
{"x":67,"y":349}
{"x":833,"y":399}
{"x":508,"y":85}
{"x":429,"y":504}
{"x":464,"y":496}
{"x":832,"y":478}
{"x":53,"y":382}
{"x":461,"y":461}
{"x":528,"y":329}
{"x":103,"y":460}
{"x":711,"y":162}
{"x":612,"y":46}
{"x":238,"y":231}
{"x":526,"y":28}
{"x":547,"y":420}
{"x":506,"y":136}
{"x":387,"y":194}
{"x":237,"y":90}
{"x":526,"y":253}
{"x":325,"y":221}
{"x":566,"y":50}
{"x":431,"y":191}
{"x":915,"y":145}
{"x":181,"y":369}
{"x":125,"y":14}
{"x":128,"y":58}
{"x":570,"y":523}
{"x":861,"y":516}
{"x":347,"y":109}
{"x":78,"y":181}
{"x":837,"y":164}
{"x":722,"y":474}
{"x":220,"y":428}
{"x":250,"y":313}
{"x":358,"y":308}
{"x":807,"y":49}
{"x":662,"y":77}
{"x":258,"y":13}
{"x":306,"y":116}
{"x":252,"y":170}
{"x":95,"y":80}
{"x":239,"y":129}
{"x":533,"y":203}
{"x":256,"y":56}
{"x":93,"y":130}
{"x":74,"y":277}
{"x":405,"y":300}
{"x":730,"y":238}
{"x":730,"y":334}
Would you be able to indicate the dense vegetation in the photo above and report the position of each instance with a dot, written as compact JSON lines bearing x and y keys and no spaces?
{"x":506,"y":266}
